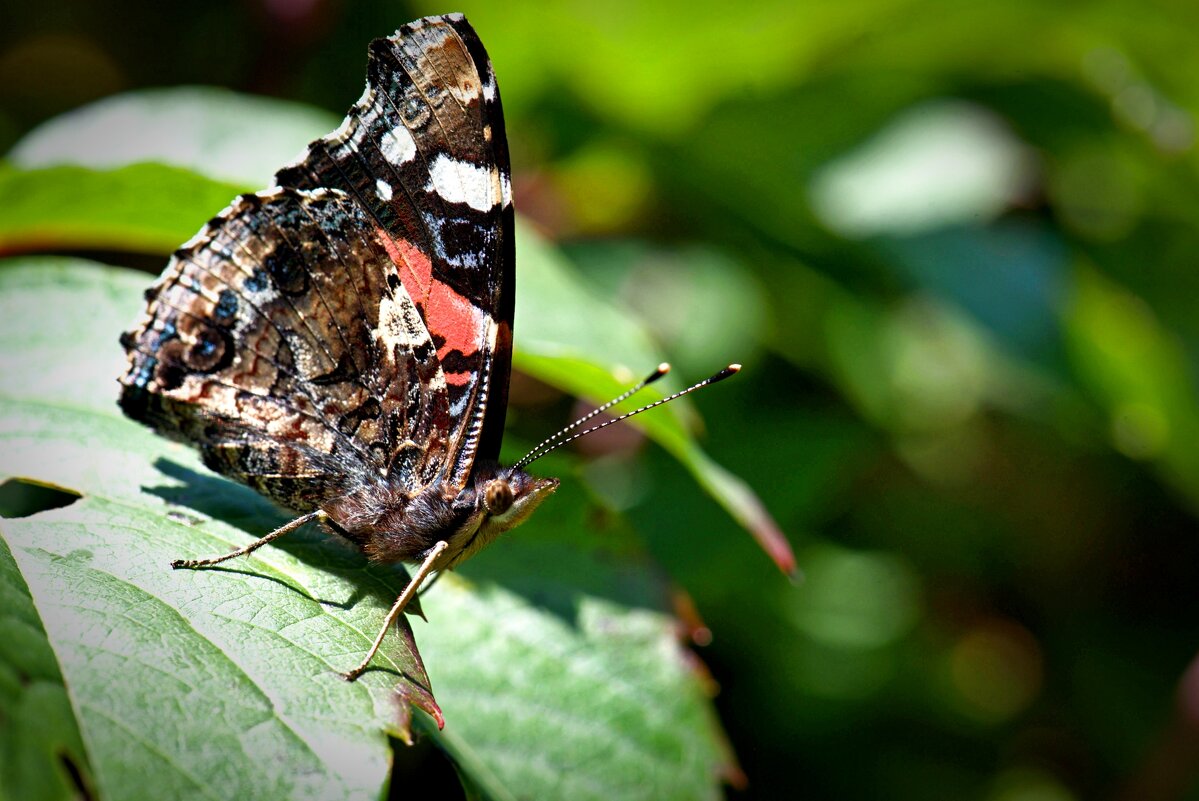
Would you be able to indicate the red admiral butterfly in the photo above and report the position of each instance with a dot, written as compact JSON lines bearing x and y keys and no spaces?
{"x":342,"y":342}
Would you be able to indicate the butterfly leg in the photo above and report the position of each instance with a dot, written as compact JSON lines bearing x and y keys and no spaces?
{"x":428,"y":585}
{"x":319,"y":514}
{"x":409,"y":592}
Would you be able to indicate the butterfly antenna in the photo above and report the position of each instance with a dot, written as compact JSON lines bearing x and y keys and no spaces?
{"x":556,"y":441}
{"x":662,"y":370}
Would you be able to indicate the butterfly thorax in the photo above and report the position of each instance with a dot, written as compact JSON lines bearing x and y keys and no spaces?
{"x":390,"y":524}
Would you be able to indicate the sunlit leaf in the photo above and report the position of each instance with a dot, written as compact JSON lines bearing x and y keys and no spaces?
{"x":1140,"y":374}
{"x":201,"y":129}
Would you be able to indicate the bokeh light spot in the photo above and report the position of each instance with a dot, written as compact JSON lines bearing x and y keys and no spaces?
{"x":855,"y":600}
{"x":996,"y":669}
{"x":941,"y":163}
{"x":1140,"y":431}
{"x":1029,"y":784}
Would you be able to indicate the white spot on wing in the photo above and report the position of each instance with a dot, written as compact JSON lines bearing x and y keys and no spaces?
{"x":462,"y":182}
{"x":489,"y":86}
{"x":384,"y":190}
{"x":398,"y":326}
{"x":397,"y":145}
{"x":433,"y":225}
{"x":401,"y":330}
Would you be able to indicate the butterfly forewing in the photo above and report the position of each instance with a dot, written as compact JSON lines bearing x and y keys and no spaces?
{"x":424,"y":152}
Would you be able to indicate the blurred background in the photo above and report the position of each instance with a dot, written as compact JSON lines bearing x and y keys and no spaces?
{"x":954,"y":246}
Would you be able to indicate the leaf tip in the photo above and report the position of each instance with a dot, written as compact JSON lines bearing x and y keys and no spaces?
{"x":421,"y":699}
{"x":771,"y":539}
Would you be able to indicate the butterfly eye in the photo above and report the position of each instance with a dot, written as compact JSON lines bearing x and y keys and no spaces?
{"x":498,"y":497}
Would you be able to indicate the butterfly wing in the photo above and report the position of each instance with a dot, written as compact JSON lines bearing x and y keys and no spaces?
{"x":356,"y":319}
{"x":424,"y":152}
{"x":281,"y":341}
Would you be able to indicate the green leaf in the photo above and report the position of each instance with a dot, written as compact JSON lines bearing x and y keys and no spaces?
{"x":625,"y":73}
{"x":597,"y":355}
{"x":546,"y":650}
{"x":40,"y":743}
{"x":142,"y":171}
{"x":1140,"y":373}
{"x":142,"y":208}
{"x":226,"y":136}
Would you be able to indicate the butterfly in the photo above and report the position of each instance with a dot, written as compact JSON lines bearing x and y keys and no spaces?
{"x":342,"y":341}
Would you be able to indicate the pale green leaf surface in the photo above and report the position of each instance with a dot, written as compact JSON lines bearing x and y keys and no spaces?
{"x":227,"y":136}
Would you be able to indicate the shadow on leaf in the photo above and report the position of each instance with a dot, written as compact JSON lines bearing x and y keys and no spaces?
{"x":552,"y":562}
{"x":242,"y":508}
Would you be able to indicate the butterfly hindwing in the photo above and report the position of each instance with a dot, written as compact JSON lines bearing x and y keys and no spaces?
{"x":282,"y":341}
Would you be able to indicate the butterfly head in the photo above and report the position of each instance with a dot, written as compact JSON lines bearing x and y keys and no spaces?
{"x":508,"y":496}
{"x":500,"y":499}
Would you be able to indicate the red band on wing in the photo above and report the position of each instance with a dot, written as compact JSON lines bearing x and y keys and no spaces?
{"x":459,"y":322}
{"x":448,"y":315}
{"x":416,"y":270}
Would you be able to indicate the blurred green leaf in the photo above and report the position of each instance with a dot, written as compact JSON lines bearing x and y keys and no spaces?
{"x":1140,"y":374}
{"x":937,"y":164}
{"x":141,"y":208}
{"x":592,"y":355}
{"x":672,"y":289}
{"x":201,"y":129}
{"x":654,"y":66}
{"x":1011,"y":277}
